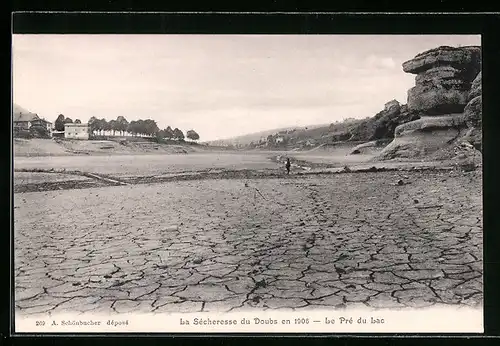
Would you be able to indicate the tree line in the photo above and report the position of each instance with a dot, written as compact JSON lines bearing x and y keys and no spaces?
{"x":141,"y":127}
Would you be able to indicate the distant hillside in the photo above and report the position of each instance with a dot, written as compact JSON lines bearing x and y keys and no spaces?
{"x":255,"y":137}
{"x":18,"y":110}
{"x":381,"y":126}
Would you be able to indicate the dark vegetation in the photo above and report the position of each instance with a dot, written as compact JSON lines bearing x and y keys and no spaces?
{"x":137,"y":128}
{"x":380,"y":127}
{"x":35,"y":131}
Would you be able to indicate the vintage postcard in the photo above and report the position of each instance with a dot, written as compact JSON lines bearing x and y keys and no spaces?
{"x":247,"y":183}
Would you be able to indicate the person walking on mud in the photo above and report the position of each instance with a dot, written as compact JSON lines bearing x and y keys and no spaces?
{"x":287,"y":165}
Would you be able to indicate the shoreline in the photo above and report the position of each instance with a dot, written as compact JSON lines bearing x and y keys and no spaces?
{"x":105,"y":180}
{"x":78,"y":171}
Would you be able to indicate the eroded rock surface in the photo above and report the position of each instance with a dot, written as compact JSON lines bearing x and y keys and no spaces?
{"x":446,"y":80}
{"x":456,"y":57}
{"x":383,"y":124}
{"x":477,"y":87}
{"x":364,"y":147}
{"x":473,"y":114}
{"x":418,"y":138}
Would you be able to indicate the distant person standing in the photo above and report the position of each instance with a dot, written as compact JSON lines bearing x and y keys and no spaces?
{"x":287,"y":165}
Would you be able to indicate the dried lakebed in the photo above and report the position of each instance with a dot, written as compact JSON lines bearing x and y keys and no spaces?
{"x":36,"y":179}
{"x":318,"y":241}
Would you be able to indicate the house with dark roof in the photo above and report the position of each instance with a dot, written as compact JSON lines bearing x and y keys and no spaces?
{"x":24,"y":121}
{"x":43,"y":123}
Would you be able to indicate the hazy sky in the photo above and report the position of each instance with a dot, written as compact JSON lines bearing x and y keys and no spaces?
{"x":222,"y":85}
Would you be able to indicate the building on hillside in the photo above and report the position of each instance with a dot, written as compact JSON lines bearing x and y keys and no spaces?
{"x":76,"y":131}
{"x":43,"y":123}
{"x":24,"y":121}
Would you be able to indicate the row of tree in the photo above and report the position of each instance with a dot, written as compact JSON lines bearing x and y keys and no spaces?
{"x":147,"y":127}
{"x":61,"y":120}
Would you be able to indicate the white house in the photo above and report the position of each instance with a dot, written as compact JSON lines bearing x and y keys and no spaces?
{"x":76,"y":131}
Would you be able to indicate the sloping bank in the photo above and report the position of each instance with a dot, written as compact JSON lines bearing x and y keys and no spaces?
{"x":51,"y":147}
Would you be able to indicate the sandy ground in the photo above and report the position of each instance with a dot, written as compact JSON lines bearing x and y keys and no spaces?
{"x":22,"y":178}
{"x":67,"y":172}
{"x":295,"y":242}
{"x":146,"y":165}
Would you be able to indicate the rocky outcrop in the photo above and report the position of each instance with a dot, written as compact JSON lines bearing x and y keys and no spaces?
{"x":441,"y":99}
{"x":457,"y":57}
{"x":444,"y":78}
{"x":384,"y":123}
{"x":429,"y":124}
{"x":473,"y":114}
{"x":424,"y":136}
{"x":392,"y":105}
{"x":477,"y":86}
{"x":364,"y":147}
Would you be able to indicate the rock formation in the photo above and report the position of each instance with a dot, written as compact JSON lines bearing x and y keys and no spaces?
{"x":383,"y":124}
{"x":363,"y":148}
{"x":441,"y":100}
{"x":473,"y":114}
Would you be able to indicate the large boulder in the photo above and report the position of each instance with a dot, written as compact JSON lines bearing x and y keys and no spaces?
{"x":444,"y":78}
{"x":392,"y":105}
{"x":457,"y":57}
{"x":437,"y":99}
{"x":446,"y":99}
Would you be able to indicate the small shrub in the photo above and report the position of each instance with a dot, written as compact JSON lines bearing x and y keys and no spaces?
{"x":39,"y":132}
{"x":22,"y":134}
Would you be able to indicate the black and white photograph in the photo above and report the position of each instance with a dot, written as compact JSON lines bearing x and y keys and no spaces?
{"x":204,"y":175}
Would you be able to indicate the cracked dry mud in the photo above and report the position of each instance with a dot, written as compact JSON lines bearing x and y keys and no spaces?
{"x":351,"y":240}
